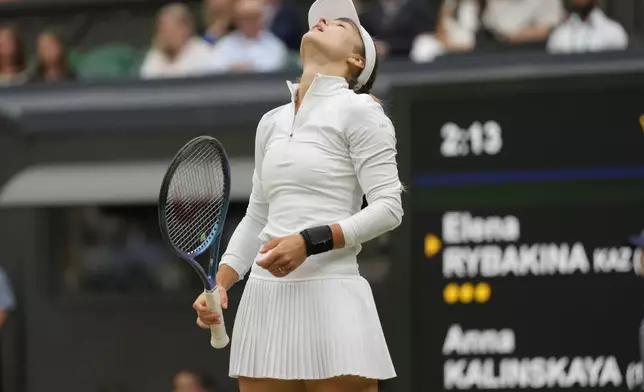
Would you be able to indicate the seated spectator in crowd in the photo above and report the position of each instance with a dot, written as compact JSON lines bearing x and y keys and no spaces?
{"x":177,"y":52}
{"x":251,"y":48}
{"x":285,"y":22}
{"x":455,"y":32}
{"x":396,"y":23}
{"x":13,"y":62}
{"x":218,"y":16}
{"x":7,"y":304}
{"x":52,"y":59}
{"x":189,"y":381}
{"x":587,"y":29}
{"x":7,"y":301}
{"x":521,"y":21}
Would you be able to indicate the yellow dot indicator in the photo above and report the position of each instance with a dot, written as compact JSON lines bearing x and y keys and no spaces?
{"x":482,"y":292}
{"x":450,"y":293}
{"x":433,"y":245}
{"x":467,"y":293}
{"x":642,"y":122}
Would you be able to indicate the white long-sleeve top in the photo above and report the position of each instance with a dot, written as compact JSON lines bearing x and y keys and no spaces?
{"x":264,"y":53}
{"x":311,"y":169}
{"x":595,"y":34}
{"x":192,"y":60}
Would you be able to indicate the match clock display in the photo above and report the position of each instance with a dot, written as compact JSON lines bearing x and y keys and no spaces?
{"x":523,"y":198}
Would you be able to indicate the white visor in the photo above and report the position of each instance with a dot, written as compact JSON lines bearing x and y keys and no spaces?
{"x":344,"y":9}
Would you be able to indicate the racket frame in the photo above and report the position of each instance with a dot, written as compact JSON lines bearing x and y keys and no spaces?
{"x":219,"y":337}
{"x":213,"y":241}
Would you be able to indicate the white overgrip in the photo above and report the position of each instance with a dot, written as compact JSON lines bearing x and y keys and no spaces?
{"x":219,"y":337}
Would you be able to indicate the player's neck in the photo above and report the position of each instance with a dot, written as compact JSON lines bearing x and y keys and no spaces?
{"x":311,"y":71}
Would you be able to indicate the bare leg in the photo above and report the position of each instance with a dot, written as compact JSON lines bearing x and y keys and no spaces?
{"x":343,"y":384}
{"x":270,"y":385}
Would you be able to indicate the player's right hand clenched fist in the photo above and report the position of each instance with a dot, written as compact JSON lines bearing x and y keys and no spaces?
{"x":206,"y":317}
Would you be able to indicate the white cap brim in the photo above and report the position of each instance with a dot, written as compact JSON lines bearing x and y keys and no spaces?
{"x":344,"y":9}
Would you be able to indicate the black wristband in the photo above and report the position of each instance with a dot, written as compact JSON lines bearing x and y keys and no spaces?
{"x":318,"y":240}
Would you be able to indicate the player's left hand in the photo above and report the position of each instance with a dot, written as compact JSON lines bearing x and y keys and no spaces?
{"x":283,"y":255}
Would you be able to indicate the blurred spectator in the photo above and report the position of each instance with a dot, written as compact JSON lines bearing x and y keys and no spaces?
{"x":13,"y":62}
{"x":218,"y":16}
{"x":638,"y":242}
{"x":7,"y":304}
{"x":119,"y":249}
{"x":285,"y":22}
{"x":189,"y":381}
{"x":177,"y":52}
{"x":521,"y":21}
{"x":455,"y":32}
{"x":587,"y":29}
{"x":396,"y":23}
{"x":7,"y":301}
{"x":52,"y":59}
{"x":251,"y":48}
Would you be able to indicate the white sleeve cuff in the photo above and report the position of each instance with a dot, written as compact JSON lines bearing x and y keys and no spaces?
{"x":238,"y":265}
{"x":348,"y":232}
{"x":377,"y":218}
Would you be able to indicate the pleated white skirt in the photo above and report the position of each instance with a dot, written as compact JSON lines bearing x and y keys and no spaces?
{"x":309,"y":330}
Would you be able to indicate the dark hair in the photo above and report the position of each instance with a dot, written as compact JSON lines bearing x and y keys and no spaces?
{"x":19,"y":58}
{"x":353,"y":80}
{"x":39,"y":71}
{"x":366,"y":88}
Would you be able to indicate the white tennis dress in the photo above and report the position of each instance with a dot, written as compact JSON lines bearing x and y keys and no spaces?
{"x":311,"y":169}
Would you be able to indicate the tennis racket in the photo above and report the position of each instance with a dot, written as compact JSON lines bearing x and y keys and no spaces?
{"x":193,"y":202}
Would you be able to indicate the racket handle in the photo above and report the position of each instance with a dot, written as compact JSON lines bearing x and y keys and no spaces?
{"x":219,"y":338}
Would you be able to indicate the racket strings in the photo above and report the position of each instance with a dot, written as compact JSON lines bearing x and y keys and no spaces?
{"x":195,"y":207}
{"x":194,"y":204}
{"x":196,"y":198}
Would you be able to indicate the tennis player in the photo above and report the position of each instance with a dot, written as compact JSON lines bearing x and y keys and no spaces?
{"x":307,"y":319}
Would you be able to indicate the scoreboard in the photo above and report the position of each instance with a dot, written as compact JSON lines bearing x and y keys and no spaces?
{"x":523,"y":195}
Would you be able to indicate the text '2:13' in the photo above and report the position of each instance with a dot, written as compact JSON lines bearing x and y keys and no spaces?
{"x":478,"y":139}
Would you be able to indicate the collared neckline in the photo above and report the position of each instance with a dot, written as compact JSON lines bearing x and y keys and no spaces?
{"x":595,"y":17}
{"x":322,"y":85}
